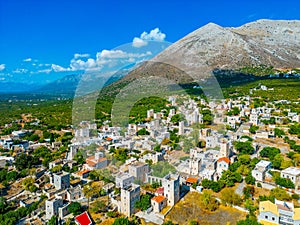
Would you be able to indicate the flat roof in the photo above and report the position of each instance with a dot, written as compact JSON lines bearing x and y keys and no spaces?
{"x":263,"y":163}
{"x":292,"y":171}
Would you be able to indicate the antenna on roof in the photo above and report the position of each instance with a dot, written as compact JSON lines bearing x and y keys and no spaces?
{"x":286,"y":205}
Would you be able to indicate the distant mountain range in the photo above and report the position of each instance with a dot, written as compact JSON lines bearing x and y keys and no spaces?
{"x":264,"y":42}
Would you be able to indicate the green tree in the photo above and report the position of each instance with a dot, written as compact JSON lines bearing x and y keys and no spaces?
{"x":75,"y":208}
{"x":276,"y":162}
{"x":253,"y":129}
{"x":208,"y":202}
{"x":143,"y":131}
{"x":3,"y":205}
{"x":52,"y":221}
{"x":161,"y":169}
{"x":230,"y":178}
{"x":123,"y":221}
{"x":144,"y":203}
{"x":177,"y":118}
{"x":24,"y":161}
{"x":248,"y":222}
{"x":79,"y":158}
{"x":284,"y":182}
{"x":248,"y":191}
{"x":278,"y":132}
{"x":244,"y":147}
{"x":269,"y":152}
{"x":280,"y":194}
{"x":229,"y":197}
{"x":249,"y":179}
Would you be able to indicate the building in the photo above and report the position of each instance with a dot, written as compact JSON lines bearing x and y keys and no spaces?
{"x":253,"y":119}
{"x":124,"y":180}
{"x":158,"y":203}
{"x":292,"y":173}
{"x":225,"y":148}
{"x":61,"y":180}
{"x":83,"y":219}
{"x":74,"y":193}
{"x":260,"y":170}
{"x":279,"y":212}
{"x":52,"y":206}
{"x":129,"y":196}
{"x":181,"y":128}
{"x":171,"y":186}
{"x":97,"y":161}
{"x":154,"y":157}
{"x":191,"y":180}
{"x":223,"y":164}
{"x":139,"y":170}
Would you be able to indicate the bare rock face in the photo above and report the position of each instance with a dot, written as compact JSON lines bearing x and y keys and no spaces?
{"x":268,"y":42}
{"x":264,"y":42}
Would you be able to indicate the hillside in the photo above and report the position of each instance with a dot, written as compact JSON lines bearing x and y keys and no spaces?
{"x":223,"y":52}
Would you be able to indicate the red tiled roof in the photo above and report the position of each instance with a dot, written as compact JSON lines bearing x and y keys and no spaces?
{"x":191,"y":180}
{"x":158,"y":198}
{"x":80,"y":173}
{"x":83,"y":219}
{"x":92,"y":161}
{"x":160,"y":190}
{"x":225,"y":159}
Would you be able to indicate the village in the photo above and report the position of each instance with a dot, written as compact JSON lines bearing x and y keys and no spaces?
{"x":144,"y":170}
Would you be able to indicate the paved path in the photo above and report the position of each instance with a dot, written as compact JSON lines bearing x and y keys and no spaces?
{"x":239,"y":189}
{"x":150,"y":217}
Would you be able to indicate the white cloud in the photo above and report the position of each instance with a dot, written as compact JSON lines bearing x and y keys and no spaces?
{"x":104,"y":58}
{"x":153,"y":35}
{"x":27,"y":60}
{"x":79,"y":64}
{"x":138,"y":42}
{"x":119,"y":54}
{"x":20,"y":70}
{"x":2,"y":67}
{"x":78,"y":55}
{"x":44,"y":71}
{"x":58,"y":68}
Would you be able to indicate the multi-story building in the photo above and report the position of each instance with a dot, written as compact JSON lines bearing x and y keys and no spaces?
{"x":97,"y":161}
{"x":158,"y":203}
{"x":292,"y":173}
{"x":124,"y":180}
{"x":52,"y":206}
{"x":61,"y":180}
{"x":279,"y":212}
{"x":223,"y":164}
{"x":129,"y":196}
{"x":171,"y":186}
{"x":260,"y":170}
{"x":139,"y":170}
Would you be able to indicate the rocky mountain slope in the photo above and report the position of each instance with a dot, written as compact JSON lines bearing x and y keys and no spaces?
{"x":264,"y":42}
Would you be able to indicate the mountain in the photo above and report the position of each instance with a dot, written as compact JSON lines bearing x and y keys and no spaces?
{"x":65,"y":86}
{"x":268,"y":42}
{"x":14,"y":87}
{"x":205,"y":51}
{"x":274,"y":43}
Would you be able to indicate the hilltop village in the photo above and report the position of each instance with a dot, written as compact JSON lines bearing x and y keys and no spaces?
{"x":242,"y":153}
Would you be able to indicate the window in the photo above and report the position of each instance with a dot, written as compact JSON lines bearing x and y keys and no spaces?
{"x":273,"y":218}
{"x":266,"y":217}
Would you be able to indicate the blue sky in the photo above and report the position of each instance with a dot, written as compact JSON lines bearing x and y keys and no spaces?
{"x":48,"y":33}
